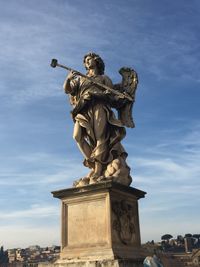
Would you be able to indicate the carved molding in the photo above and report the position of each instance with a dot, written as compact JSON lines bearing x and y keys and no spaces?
{"x":123,"y":222}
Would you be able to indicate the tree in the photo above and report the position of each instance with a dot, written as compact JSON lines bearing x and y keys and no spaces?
{"x":197,"y":236}
{"x":3,"y":257}
{"x":188,"y":235}
{"x":1,"y":251}
{"x":166,"y":237}
{"x":180,"y":238}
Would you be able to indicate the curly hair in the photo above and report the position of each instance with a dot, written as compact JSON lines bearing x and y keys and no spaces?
{"x":99,"y":62}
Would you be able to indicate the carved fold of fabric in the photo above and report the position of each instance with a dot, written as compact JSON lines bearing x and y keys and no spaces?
{"x":75,"y":85}
{"x":101,"y":118}
{"x":117,"y":131}
{"x":84,"y":122}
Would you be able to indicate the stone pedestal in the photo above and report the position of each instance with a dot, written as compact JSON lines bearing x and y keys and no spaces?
{"x":100,"y":226}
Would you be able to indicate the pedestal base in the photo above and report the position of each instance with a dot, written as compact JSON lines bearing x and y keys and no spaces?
{"x":100,"y":225}
{"x":103,"y":263}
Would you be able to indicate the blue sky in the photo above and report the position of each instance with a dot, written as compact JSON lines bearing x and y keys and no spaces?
{"x":161,"y":40}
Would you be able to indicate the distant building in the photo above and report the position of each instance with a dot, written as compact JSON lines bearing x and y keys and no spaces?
{"x":11,"y":255}
{"x":31,"y":256}
{"x":36,"y":247}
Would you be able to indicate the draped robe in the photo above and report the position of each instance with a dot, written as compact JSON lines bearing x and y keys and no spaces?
{"x":99,"y":125}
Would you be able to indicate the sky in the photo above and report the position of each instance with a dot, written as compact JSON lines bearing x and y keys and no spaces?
{"x":160,"y":39}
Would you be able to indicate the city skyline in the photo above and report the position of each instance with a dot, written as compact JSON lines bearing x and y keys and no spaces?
{"x":160,"y":40}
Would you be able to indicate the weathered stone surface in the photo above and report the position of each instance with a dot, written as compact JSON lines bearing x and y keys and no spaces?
{"x":103,"y":263}
{"x":100,"y":222}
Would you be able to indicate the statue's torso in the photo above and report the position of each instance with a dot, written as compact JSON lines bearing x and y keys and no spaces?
{"x":83,"y":86}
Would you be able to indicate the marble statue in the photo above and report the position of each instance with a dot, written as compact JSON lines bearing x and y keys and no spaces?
{"x":97,"y":130}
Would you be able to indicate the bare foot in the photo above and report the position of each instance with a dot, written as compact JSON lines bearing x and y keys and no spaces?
{"x":81,"y":182}
{"x":90,"y":174}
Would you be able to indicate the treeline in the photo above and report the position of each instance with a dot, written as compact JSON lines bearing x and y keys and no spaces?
{"x":3,"y":257}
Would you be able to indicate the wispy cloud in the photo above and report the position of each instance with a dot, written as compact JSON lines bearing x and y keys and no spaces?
{"x":169,"y":173}
{"x":40,"y":169}
{"x":32,"y":46}
{"x":35,"y":211}
{"x":178,"y":158}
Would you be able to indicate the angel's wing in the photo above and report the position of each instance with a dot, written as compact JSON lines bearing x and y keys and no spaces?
{"x":127,"y":86}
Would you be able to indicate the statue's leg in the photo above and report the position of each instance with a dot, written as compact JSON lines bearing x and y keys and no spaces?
{"x":81,"y":142}
{"x":100,"y":125}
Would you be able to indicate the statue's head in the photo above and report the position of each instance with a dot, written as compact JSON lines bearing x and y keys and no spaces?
{"x":99,"y":62}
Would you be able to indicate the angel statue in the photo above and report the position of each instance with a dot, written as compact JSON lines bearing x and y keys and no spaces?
{"x":97,"y":131}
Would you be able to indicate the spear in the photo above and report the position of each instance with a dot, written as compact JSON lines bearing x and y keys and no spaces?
{"x":54,"y":63}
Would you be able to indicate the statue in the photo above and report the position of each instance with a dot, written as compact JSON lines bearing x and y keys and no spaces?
{"x":97,"y":131}
{"x":152,"y":261}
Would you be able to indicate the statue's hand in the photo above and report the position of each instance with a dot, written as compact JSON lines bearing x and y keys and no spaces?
{"x":72,"y":75}
{"x":107,"y":92}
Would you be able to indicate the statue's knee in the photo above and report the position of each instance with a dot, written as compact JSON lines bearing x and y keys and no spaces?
{"x":100,"y":134}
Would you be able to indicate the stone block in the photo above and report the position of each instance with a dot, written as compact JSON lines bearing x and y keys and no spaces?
{"x":103,"y":263}
{"x":100,"y":223}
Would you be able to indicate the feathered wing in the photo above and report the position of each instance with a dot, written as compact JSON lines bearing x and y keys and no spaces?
{"x":125,"y":115}
{"x":127,"y":86}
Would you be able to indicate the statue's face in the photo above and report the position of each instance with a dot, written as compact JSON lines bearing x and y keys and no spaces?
{"x":90,"y":62}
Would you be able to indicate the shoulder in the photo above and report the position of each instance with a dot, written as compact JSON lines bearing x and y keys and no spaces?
{"x":107,"y":80}
{"x":106,"y":77}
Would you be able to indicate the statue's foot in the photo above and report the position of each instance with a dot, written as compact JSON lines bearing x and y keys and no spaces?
{"x":97,"y":179}
{"x":90,"y":174}
{"x":75,"y":183}
{"x":93,"y":179}
{"x":101,"y":178}
{"x":81,"y":182}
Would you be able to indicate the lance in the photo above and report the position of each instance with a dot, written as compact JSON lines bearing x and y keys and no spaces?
{"x":54,"y":63}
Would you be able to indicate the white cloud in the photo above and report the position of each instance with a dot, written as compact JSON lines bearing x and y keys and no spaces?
{"x":170,"y":175}
{"x":36,"y":211}
{"x":28,"y":47}
{"x":40,"y":169}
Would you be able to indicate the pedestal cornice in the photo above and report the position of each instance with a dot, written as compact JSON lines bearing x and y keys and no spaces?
{"x":107,"y":186}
